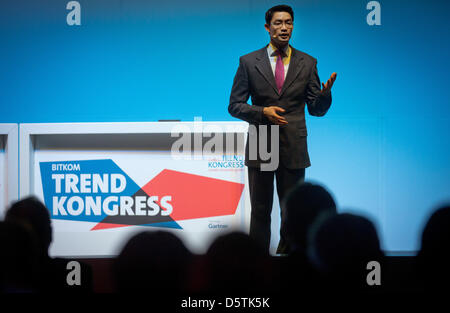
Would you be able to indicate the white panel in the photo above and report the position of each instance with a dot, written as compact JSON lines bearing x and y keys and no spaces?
{"x":142,"y":151}
{"x":8,"y":166}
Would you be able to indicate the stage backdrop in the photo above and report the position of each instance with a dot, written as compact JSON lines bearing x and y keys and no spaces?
{"x":383,"y":149}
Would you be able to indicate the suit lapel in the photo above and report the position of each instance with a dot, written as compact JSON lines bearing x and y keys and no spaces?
{"x":263,"y":66}
{"x":295,"y":67}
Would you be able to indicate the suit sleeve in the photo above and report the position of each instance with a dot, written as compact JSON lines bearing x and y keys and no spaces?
{"x":318,"y":103}
{"x":240,"y":92}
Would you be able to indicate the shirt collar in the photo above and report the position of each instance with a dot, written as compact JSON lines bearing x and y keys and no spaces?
{"x":271,"y":49}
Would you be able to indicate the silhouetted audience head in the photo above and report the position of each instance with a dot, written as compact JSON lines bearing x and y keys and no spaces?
{"x":434,"y":256}
{"x":18,"y":261}
{"x":236,"y":264}
{"x":34,"y":214}
{"x":341,"y":246}
{"x":303,"y":204}
{"x":155,"y":262}
{"x":335,"y":250}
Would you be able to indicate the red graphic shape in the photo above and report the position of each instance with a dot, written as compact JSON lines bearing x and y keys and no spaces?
{"x":195,"y":196}
{"x":106,"y":226}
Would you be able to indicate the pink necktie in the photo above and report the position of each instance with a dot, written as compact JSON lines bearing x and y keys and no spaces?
{"x":279,"y":71}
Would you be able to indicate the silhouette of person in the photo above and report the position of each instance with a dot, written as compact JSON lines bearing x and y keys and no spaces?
{"x":238,"y":264}
{"x":153,"y":262}
{"x":32,"y":213}
{"x":18,"y":261}
{"x":303,"y":205}
{"x":434,"y":256}
{"x":341,"y":247}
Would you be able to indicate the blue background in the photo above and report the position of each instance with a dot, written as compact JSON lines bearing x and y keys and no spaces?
{"x":383,"y":149}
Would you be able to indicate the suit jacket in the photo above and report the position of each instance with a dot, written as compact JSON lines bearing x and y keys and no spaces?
{"x":254,"y":78}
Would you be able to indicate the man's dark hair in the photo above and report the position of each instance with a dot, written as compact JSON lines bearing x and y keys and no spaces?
{"x":278,"y":8}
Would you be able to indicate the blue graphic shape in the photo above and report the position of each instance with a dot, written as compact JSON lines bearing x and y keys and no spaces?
{"x":49,"y":177}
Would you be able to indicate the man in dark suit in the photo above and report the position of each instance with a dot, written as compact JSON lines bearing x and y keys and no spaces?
{"x":280,"y":80}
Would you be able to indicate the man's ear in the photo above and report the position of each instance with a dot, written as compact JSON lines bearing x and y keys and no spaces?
{"x":266,"y":26}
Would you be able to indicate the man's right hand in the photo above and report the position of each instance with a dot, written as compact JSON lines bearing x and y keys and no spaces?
{"x":271,"y":114}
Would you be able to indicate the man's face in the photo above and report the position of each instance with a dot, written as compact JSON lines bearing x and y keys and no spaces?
{"x":280,"y":28}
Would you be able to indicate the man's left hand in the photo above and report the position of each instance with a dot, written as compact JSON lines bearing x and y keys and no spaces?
{"x":327,"y":86}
